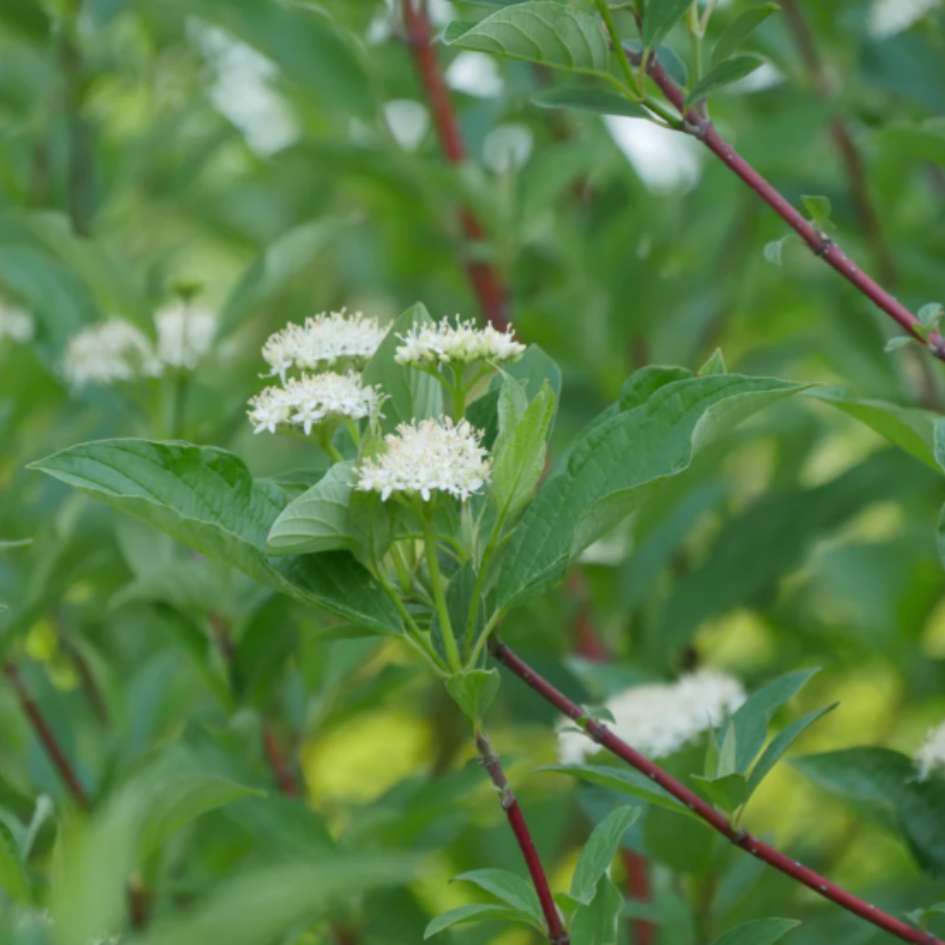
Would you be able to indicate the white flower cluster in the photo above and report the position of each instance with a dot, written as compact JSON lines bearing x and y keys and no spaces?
{"x":117,"y":351}
{"x":312,"y":399}
{"x":460,"y":343}
{"x":184,"y":335}
{"x":427,"y":457}
{"x":323,"y":341}
{"x":659,"y":719}
{"x":931,"y":756}
{"x":15,"y":324}
{"x":108,"y":353}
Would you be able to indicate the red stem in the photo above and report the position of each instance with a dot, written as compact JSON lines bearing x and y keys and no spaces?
{"x":700,"y":127}
{"x":490,"y":761}
{"x":45,"y":734}
{"x":714,"y":818}
{"x":486,"y":281}
{"x":638,"y":882}
{"x":283,"y":773}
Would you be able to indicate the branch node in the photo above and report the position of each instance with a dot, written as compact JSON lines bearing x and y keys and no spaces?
{"x":698,"y":129}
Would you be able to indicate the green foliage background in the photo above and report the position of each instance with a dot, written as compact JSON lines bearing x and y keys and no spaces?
{"x":802,"y":539}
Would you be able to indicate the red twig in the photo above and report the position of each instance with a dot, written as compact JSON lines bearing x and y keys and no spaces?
{"x":714,"y":818}
{"x":280,"y":768}
{"x":485,"y":278}
{"x":490,"y":761}
{"x":700,"y":127}
{"x":45,"y":734}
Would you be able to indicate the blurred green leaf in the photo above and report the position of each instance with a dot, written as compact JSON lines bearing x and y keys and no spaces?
{"x":738,"y":31}
{"x":13,"y":879}
{"x":514,"y":891}
{"x":589,"y":98}
{"x":661,"y":17}
{"x":596,"y":922}
{"x":474,"y":691}
{"x":732,"y":70}
{"x":758,"y":932}
{"x":728,"y":792}
{"x":478,"y":912}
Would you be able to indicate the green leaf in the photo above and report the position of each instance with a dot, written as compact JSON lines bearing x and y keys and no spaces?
{"x":750,"y":722}
{"x":180,"y":799}
{"x":371,"y":525}
{"x":289,"y":255}
{"x":910,"y":428}
{"x":715,"y":365}
{"x":474,"y":691}
{"x":596,"y":923}
{"x":413,"y":394}
{"x":661,"y":17}
{"x":206,"y":498}
{"x":920,"y":917}
{"x":728,"y":792}
{"x":931,"y":314}
{"x":511,"y":889}
{"x":546,"y":33}
{"x":739,"y":30}
{"x":262,"y":905}
{"x":589,"y":98}
{"x":13,"y":879}
{"x":620,"y":460}
{"x":732,"y":70}
{"x":599,"y":852}
{"x":630,"y":783}
{"x":870,"y":781}
{"x":318,"y":519}
{"x":479,"y":912}
{"x":820,"y":210}
{"x":774,"y":249}
{"x":759,"y":932}
{"x":519,"y":458}
{"x":781,"y":743}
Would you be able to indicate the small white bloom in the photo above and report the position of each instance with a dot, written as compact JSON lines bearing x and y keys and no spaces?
{"x":427,"y":457}
{"x":475,"y":73}
{"x":323,"y":341}
{"x":313,"y":399}
{"x":931,"y":756}
{"x":508,"y":148}
{"x":889,"y":17}
{"x":15,"y":324}
{"x":660,"y":718}
{"x":184,"y":334}
{"x":408,"y":121}
{"x":460,"y":342}
{"x":108,"y":353}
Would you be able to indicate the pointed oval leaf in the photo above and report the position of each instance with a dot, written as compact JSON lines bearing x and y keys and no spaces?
{"x":728,"y":792}
{"x":759,"y":932}
{"x":599,"y":852}
{"x":474,"y":690}
{"x":781,"y":743}
{"x":476,"y":912}
{"x":596,"y":923}
{"x":548,"y":33}
{"x":317,"y":520}
{"x":725,"y":74}
{"x":181,"y":799}
{"x":661,"y":17}
{"x":739,"y":30}
{"x":511,"y":889}
{"x":589,"y":98}
{"x":630,"y":783}
{"x":207,"y":499}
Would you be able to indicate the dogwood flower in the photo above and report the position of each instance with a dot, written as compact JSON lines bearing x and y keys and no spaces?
{"x":931,"y":755}
{"x":660,"y":718}
{"x":323,"y":341}
{"x":311,"y":400}
{"x":184,"y":334}
{"x":15,"y":324}
{"x":426,"y":457}
{"x":108,"y":353}
{"x":458,"y":342}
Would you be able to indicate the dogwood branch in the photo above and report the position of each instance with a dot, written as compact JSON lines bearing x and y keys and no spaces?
{"x":822,"y":246}
{"x":486,"y":280}
{"x":46,"y":736}
{"x":705,"y":811}
{"x":490,"y":761}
